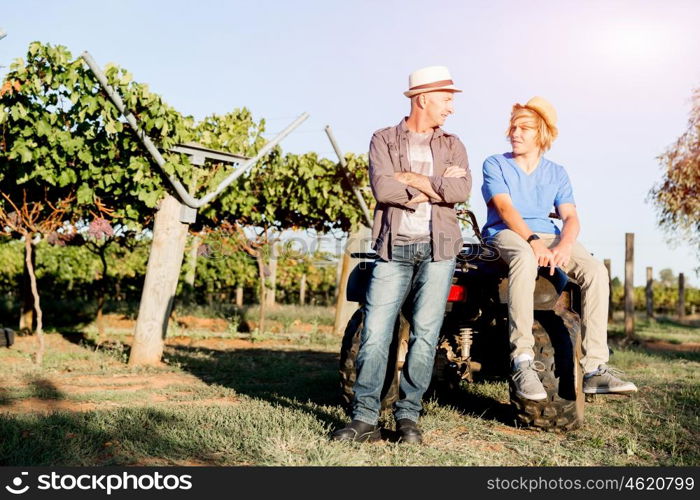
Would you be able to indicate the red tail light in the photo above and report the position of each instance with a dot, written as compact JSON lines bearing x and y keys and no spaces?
{"x":457,"y":294}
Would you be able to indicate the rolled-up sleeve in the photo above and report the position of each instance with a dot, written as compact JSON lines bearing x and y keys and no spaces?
{"x":385,"y":187}
{"x":454,"y":189}
{"x":494,"y":183}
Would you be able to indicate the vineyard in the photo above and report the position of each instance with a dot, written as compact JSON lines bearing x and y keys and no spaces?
{"x":81,"y":194}
{"x":250,"y":328}
{"x":70,"y":278}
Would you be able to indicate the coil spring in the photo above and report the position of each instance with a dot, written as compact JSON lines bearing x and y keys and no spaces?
{"x":465,"y":341}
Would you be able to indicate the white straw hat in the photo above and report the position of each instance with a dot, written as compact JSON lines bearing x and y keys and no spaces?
{"x":430,"y":79}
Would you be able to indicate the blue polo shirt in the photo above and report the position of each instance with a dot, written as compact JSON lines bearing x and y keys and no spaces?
{"x":533,"y":195}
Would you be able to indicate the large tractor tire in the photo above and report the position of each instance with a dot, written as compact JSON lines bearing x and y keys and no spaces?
{"x":348,"y":356}
{"x":558,"y":348}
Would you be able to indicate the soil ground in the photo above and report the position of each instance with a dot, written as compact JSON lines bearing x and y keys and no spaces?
{"x":231,"y":396}
{"x":112,"y":389}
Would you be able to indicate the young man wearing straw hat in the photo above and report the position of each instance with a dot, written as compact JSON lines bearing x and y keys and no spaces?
{"x":417,"y":173}
{"x":520,"y":189}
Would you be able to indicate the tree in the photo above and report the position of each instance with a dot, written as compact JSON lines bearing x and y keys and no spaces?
{"x":667,"y":278}
{"x":61,"y":139}
{"x":677,"y":196}
{"x":236,"y":132}
{"x":288,"y":192}
{"x":28,"y":219}
{"x":224,"y":268}
{"x":60,"y":131}
{"x":98,"y":237}
{"x":281,"y":192}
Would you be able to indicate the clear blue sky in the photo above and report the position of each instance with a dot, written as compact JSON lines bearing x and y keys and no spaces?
{"x":620,"y":74}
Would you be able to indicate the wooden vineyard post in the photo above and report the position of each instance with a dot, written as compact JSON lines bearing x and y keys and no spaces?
{"x":681,"y":296}
{"x":302,"y":290}
{"x":27,"y":319}
{"x":169,"y":233}
{"x":162,"y":273}
{"x":629,"y":285}
{"x":650,"y":293}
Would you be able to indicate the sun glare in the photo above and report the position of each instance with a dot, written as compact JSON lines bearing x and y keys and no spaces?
{"x":636,"y":42}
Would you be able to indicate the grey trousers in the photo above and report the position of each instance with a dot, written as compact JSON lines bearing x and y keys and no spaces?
{"x":588,"y":272}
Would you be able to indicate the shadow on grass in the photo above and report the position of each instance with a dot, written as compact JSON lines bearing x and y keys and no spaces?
{"x":5,"y":398}
{"x":79,"y":439}
{"x":663,"y":325}
{"x":618,"y":340}
{"x":307,"y":381}
{"x":38,"y":388}
{"x":44,"y":389}
{"x":116,"y":349}
{"x":68,"y":313}
{"x":298,"y":381}
{"x":468,"y":401}
{"x":667,"y":355}
{"x":76,"y":337}
{"x":301,"y":380}
{"x":683,"y":325}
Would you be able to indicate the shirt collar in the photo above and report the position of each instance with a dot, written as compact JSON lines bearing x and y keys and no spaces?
{"x":437,"y":131}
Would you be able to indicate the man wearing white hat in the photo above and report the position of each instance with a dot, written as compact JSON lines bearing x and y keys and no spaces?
{"x":520,"y":189}
{"x":417,"y":173}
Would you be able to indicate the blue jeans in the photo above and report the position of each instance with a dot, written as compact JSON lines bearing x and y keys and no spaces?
{"x":410,"y":275}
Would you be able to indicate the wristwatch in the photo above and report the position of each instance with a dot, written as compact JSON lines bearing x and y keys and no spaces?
{"x":532,"y":237}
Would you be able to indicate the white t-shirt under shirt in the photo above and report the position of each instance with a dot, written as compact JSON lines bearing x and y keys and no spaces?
{"x":415,"y":227}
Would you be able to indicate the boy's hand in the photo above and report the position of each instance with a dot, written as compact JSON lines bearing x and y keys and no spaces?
{"x":561,"y":255}
{"x":543,"y":255}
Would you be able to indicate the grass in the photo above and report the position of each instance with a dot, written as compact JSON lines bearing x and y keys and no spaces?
{"x":661,"y":328}
{"x":299,"y":323}
{"x":274,"y":402}
{"x":667,"y":330}
{"x":290,"y":314}
{"x":283,"y":313}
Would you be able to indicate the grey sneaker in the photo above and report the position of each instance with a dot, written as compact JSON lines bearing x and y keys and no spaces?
{"x":605,"y":381}
{"x":527,"y":383}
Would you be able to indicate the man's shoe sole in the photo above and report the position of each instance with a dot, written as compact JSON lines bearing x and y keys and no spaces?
{"x":367,"y":437}
{"x":530,"y":397}
{"x":607,"y":390}
{"x":411,"y":439}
